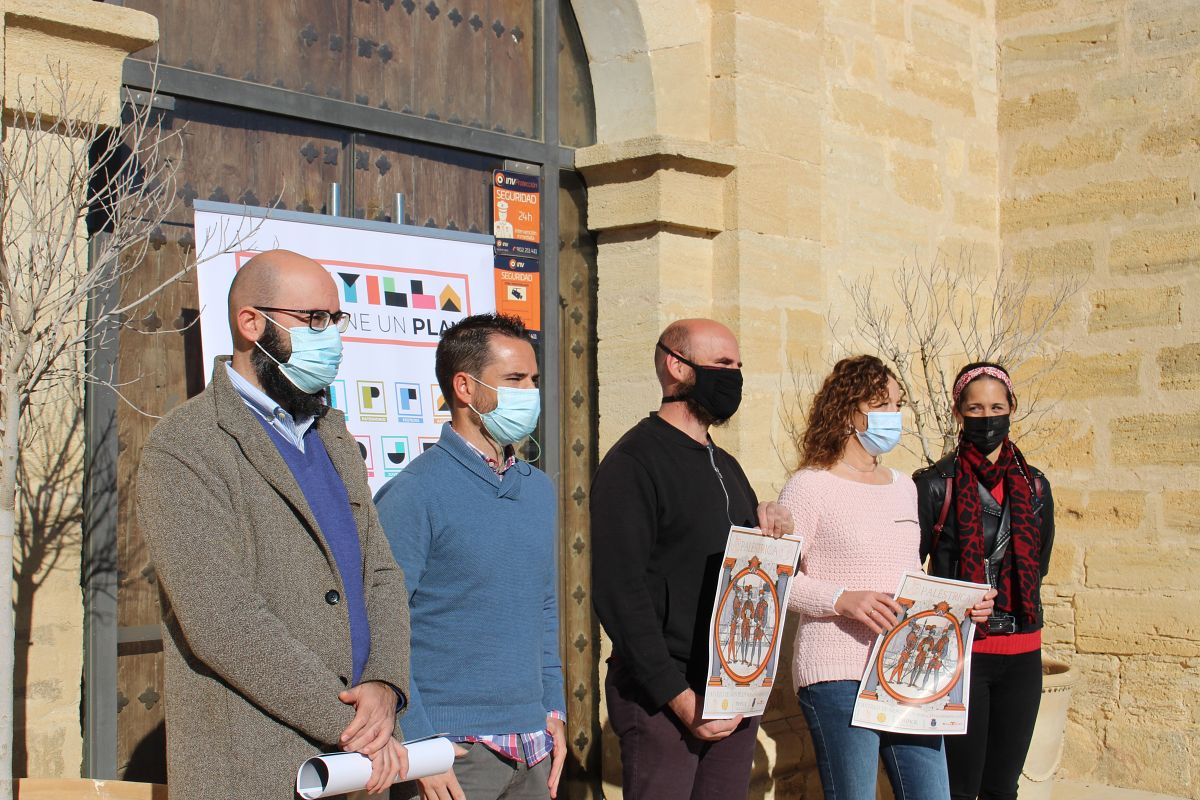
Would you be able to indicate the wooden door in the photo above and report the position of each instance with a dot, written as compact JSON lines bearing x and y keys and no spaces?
{"x":464,"y":62}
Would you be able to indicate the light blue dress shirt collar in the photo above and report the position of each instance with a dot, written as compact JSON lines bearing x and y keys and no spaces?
{"x":291,"y":429}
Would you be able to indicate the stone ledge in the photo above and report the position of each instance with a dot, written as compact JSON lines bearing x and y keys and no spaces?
{"x":683,"y":153}
{"x":87,"y":789}
{"x":85,"y":20}
{"x":656,"y":182}
{"x":81,"y":42}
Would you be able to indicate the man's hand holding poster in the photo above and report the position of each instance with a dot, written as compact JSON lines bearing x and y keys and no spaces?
{"x":747,"y":622}
{"x":918,"y":677}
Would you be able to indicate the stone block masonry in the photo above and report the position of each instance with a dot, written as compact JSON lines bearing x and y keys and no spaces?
{"x":1099,"y":133}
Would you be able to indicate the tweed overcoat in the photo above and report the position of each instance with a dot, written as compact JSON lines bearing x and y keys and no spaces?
{"x":255,"y":652}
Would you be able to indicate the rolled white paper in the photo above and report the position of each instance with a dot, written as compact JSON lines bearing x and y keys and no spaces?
{"x":338,"y":773}
{"x":429,"y":757}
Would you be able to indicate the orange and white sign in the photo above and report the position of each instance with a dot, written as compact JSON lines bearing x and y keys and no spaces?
{"x":519,"y":290}
{"x":516,"y":206}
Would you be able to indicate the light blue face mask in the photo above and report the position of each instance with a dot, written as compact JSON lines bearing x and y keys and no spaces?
{"x":515,"y":415}
{"x":315,"y":358}
{"x":882,"y":433}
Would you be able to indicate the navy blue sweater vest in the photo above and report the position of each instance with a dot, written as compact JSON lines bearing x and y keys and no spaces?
{"x":327,"y":498}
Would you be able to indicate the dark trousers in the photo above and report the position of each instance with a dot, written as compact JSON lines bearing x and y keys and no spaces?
{"x":986,"y":761}
{"x":660,"y":758}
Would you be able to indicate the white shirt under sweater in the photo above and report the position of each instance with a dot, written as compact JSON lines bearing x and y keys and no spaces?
{"x":857,"y":537}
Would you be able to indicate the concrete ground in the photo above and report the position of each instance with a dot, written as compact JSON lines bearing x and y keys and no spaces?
{"x":1070,"y":790}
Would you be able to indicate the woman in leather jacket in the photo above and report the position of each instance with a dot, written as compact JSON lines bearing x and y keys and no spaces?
{"x":987,"y":516}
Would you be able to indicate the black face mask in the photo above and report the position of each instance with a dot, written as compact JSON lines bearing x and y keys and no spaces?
{"x":986,"y":433}
{"x":717,"y":390}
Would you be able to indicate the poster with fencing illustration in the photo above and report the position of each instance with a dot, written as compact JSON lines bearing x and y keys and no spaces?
{"x":918,"y":677}
{"x":747,"y":622}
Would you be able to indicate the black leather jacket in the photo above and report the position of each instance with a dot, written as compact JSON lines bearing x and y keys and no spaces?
{"x":944,"y":558}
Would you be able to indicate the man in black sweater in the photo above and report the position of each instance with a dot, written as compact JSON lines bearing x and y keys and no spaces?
{"x":662,"y":503}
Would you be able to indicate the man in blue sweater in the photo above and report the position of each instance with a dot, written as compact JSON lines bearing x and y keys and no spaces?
{"x":474,"y":529}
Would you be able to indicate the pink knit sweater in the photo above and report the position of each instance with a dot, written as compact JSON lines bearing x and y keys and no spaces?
{"x":857,"y":537}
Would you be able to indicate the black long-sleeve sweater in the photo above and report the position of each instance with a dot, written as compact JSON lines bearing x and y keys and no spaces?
{"x":659,"y":527}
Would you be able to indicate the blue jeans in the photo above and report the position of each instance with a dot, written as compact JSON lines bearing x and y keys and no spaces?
{"x":848,"y":757}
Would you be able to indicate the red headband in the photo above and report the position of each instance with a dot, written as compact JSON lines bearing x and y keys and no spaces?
{"x":970,"y":375}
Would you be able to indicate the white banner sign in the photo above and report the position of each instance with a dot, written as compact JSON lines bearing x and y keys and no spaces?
{"x":401,"y":289}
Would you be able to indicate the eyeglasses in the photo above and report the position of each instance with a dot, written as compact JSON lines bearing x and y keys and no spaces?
{"x":318,"y":319}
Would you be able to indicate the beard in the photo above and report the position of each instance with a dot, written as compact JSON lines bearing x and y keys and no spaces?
{"x":275,"y":384}
{"x":702,"y":414}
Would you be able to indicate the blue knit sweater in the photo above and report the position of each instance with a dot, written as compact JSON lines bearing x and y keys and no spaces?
{"x":327,"y":498}
{"x":479,"y":560}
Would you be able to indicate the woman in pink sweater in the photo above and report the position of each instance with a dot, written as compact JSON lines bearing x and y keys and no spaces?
{"x":859,"y":522}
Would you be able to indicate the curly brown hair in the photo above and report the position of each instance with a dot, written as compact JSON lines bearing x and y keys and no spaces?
{"x":853,"y":381}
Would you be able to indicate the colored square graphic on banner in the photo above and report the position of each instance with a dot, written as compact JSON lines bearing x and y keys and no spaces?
{"x":372,"y":401}
{"x":441,"y":409}
{"x":399,"y":305}
{"x":367,"y":452}
{"x":426,"y":442}
{"x":396,"y":454}
{"x":337,"y":396}
{"x":408,"y":403}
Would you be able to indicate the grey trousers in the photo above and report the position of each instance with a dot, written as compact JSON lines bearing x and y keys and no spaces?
{"x":484,"y":774}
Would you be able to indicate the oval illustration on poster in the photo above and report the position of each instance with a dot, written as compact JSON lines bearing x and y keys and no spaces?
{"x":922,"y":658}
{"x":746,"y":621}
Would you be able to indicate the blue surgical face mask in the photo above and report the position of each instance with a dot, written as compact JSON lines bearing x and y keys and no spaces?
{"x":515,"y":415}
{"x":315,"y":358}
{"x":882,"y":433}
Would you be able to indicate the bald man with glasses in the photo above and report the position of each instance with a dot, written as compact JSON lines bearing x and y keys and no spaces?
{"x":285,"y":617}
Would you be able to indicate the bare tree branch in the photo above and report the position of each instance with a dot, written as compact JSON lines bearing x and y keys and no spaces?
{"x":945,"y":312}
{"x":65,"y":172}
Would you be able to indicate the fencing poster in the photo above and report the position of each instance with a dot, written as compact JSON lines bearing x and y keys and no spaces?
{"x":401,"y":286}
{"x":918,"y":677}
{"x":746,"y":626}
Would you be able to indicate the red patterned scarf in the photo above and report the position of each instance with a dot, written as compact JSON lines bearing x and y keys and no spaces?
{"x":1019,"y":575}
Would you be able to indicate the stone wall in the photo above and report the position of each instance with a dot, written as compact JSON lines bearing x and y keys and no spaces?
{"x":863,"y":135}
{"x":1099,"y":134}
{"x":843,"y":137}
